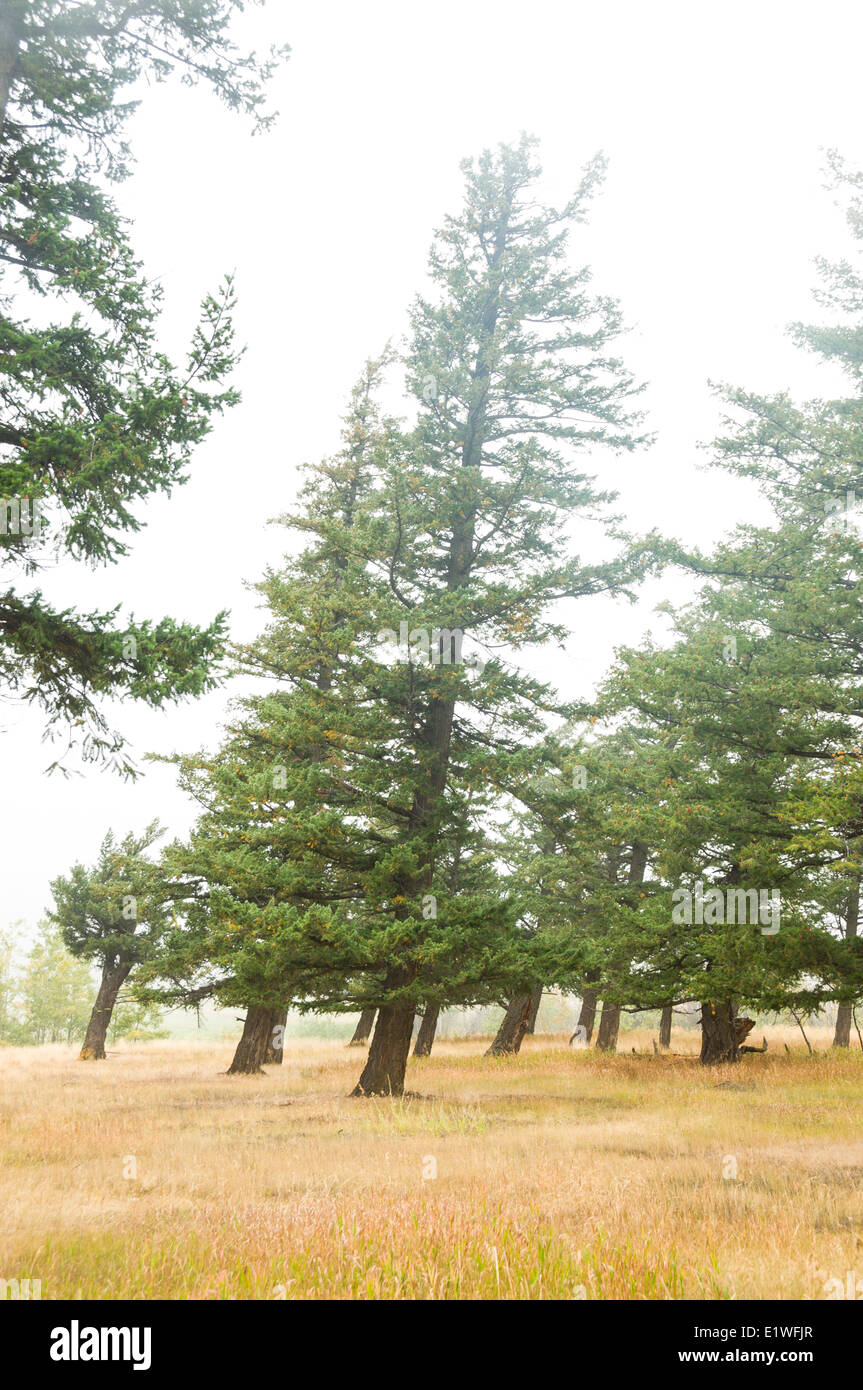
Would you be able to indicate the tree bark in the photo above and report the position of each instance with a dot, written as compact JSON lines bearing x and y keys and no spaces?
{"x":609,"y":1027}
{"x":114,"y":975}
{"x":513,"y":1027}
{"x":255,"y":1038}
{"x":384,"y":1071}
{"x":363,"y":1030}
{"x":719,"y":1041}
{"x":535,"y":1002}
{"x":665,"y":1027}
{"x":275,"y":1050}
{"x":842,"y":1035}
{"x":587,"y":1016}
{"x":428,"y":1028}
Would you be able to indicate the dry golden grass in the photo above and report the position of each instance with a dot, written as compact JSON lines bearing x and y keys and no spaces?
{"x":559,"y":1174}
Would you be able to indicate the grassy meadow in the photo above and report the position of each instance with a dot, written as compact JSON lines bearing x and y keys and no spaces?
{"x":555,"y":1174}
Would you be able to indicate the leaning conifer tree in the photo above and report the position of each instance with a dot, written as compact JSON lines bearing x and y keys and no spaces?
{"x":455,"y":554}
{"x":267,"y":794}
{"x":509,"y":363}
{"x":113,"y":914}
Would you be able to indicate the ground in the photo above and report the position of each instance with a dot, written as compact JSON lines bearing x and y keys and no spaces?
{"x":556,"y":1174}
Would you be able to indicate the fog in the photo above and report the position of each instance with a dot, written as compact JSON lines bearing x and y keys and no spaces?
{"x":714,"y":118}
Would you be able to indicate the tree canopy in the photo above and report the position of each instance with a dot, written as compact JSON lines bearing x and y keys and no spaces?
{"x":94,"y":417}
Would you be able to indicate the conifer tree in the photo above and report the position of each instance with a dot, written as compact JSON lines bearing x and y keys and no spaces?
{"x":95,"y":419}
{"x":754,"y":715}
{"x":580,"y":855}
{"x":265,"y":793}
{"x":511,"y":369}
{"x":455,"y":548}
{"x":113,"y":914}
{"x":728,"y":820}
{"x":783,"y":601}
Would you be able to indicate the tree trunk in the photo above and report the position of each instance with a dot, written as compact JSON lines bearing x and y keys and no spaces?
{"x":275,"y":1051}
{"x":255,"y":1038}
{"x":384,"y":1071}
{"x":842,"y":1035}
{"x":385,"y":1068}
{"x":513,"y":1028}
{"x":535,"y":1002}
{"x":609,"y":1027}
{"x":587,"y":1016}
{"x":718,"y":1034}
{"x":114,"y":976}
{"x":363,"y":1030}
{"x":665,"y":1027}
{"x":428,"y":1028}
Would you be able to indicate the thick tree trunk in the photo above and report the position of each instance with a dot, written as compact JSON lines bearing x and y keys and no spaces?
{"x":535,"y":1002}
{"x":428,"y":1028}
{"x":587,"y":1016}
{"x":276,"y":1040}
{"x":363,"y":1030}
{"x":255,"y":1038}
{"x":114,"y":976}
{"x":513,"y":1027}
{"x":665,"y":1027}
{"x":384,"y":1071}
{"x":842,"y":1035}
{"x":609,"y":1027}
{"x":719,"y":1040}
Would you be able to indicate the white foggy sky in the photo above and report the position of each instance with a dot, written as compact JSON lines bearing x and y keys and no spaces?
{"x":714,"y":118}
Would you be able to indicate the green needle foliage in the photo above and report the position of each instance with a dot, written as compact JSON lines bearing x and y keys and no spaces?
{"x":114,"y":914}
{"x":755,"y":714}
{"x":434,"y":552}
{"x":94,"y":418}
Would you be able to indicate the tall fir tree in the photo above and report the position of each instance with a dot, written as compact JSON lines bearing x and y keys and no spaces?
{"x":402,"y":710}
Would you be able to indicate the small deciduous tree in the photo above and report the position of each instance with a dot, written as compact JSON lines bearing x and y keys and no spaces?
{"x":55,"y":991}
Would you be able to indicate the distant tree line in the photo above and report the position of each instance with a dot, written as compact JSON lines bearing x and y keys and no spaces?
{"x":46,"y":995}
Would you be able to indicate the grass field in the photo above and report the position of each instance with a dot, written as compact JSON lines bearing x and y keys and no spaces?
{"x":556,"y":1174}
